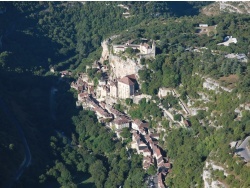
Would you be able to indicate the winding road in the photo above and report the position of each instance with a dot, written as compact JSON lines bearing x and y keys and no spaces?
{"x":27,"y":159}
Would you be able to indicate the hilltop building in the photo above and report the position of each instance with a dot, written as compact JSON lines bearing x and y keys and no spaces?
{"x":146,"y":51}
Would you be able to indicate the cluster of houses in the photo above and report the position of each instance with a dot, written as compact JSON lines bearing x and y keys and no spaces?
{"x":95,"y":97}
{"x":145,"y":141}
{"x":122,"y":88}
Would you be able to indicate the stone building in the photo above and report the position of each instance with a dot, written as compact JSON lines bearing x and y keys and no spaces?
{"x":120,"y":123}
{"x":146,"y":51}
{"x":126,"y":87}
{"x":113,"y":89}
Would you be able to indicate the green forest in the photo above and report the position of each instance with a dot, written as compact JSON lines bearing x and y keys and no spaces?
{"x":69,"y":147}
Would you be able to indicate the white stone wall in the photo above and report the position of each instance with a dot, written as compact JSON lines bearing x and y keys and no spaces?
{"x":144,"y":50}
{"x":135,"y":126}
{"x":136,"y":99}
{"x":101,"y":92}
{"x":123,"y":90}
{"x":121,"y":126}
{"x":113,"y":91}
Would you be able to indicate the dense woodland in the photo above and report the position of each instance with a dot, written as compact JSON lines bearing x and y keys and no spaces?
{"x":74,"y":150}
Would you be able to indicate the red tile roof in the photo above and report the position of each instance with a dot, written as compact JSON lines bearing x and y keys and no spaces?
{"x":156,"y":151}
{"x":131,"y":76}
{"x":120,"y":121}
{"x":167,"y":165}
{"x":146,"y":150}
{"x":126,"y":81}
{"x":138,"y":122}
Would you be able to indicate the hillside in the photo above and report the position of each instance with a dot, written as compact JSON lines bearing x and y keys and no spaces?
{"x":240,"y":7}
{"x":61,"y":63}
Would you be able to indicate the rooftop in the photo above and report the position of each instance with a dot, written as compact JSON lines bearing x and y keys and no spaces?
{"x":126,"y":81}
{"x":121,"y":121}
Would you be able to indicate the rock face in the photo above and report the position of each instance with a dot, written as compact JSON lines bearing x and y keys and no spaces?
{"x":121,"y":67}
{"x":211,"y":84}
{"x":208,"y":181}
{"x":163,"y":92}
{"x":240,"y":7}
{"x":105,"y":51}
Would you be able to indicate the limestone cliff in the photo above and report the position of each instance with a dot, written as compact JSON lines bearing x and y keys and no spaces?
{"x":105,"y":51}
{"x":121,"y":67}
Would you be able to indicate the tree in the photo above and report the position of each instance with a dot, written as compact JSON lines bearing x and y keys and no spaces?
{"x":11,"y":146}
{"x":129,"y":50}
{"x":4,"y":59}
{"x":152,"y":170}
{"x":129,"y":101}
{"x":98,"y":172}
{"x":126,"y":133}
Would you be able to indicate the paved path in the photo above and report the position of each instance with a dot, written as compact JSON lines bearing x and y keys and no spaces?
{"x":27,"y":159}
{"x":243,"y":151}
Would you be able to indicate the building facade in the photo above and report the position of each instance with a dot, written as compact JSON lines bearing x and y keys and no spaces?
{"x":126,"y":88}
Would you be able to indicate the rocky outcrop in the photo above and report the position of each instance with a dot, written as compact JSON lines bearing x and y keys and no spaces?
{"x":209,"y":182}
{"x":211,"y":84}
{"x":240,"y":7}
{"x":105,"y":51}
{"x":122,"y":66}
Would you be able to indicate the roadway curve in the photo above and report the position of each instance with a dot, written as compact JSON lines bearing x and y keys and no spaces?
{"x":27,"y":159}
